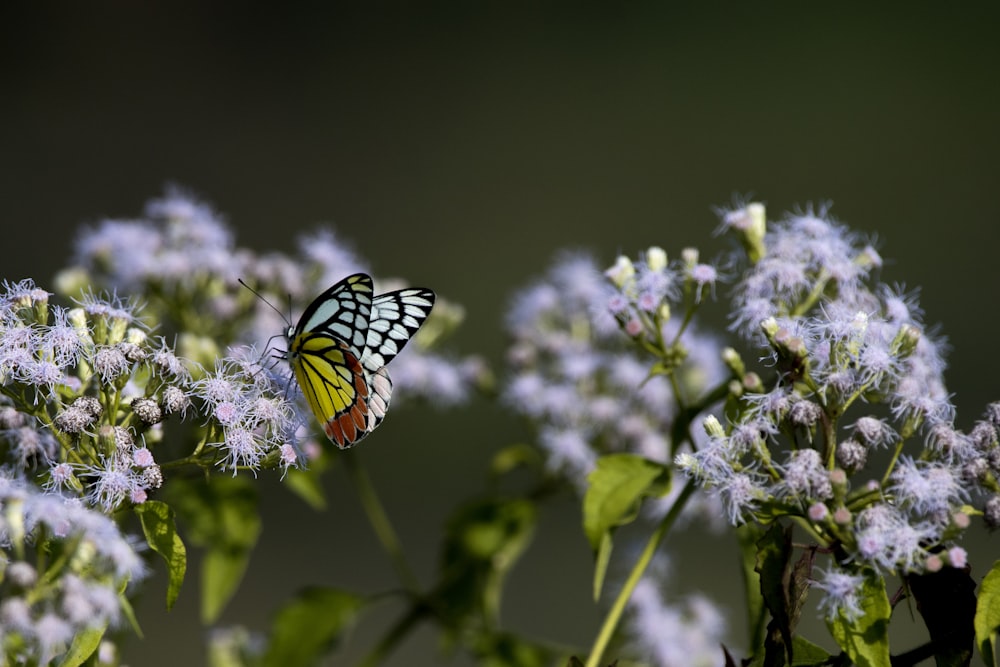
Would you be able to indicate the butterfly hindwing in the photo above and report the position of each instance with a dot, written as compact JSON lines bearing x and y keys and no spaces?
{"x":324,"y":351}
{"x":334,"y":384}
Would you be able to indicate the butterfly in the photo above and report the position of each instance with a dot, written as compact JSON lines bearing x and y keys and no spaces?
{"x":339,"y":349}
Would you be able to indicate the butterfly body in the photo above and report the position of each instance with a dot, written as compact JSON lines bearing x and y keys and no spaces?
{"x":339,"y":349}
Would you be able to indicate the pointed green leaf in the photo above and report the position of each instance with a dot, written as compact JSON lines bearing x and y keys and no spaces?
{"x":83,"y":646}
{"x":615,"y":488}
{"x":127,"y":611}
{"x":307,"y":485}
{"x":601,"y":565}
{"x":223,"y":518}
{"x":808,"y":654}
{"x":988,"y":615}
{"x":866,"y":639}
{"x":774,"y":550}
{"x":310,"y":626}
{"x":160,"y":529}
{"x":483,"y":541}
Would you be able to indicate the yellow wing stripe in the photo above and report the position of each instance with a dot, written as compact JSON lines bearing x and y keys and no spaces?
{"x":332,"y":380}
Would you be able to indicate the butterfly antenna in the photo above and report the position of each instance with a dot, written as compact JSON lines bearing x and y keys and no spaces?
{"x":276,"y":355}
{"x":286,"y":318}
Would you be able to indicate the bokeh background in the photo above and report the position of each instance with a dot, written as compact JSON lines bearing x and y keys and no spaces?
{"x":461,"y":145}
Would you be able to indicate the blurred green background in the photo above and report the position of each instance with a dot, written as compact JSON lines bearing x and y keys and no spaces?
{"x":461,"y":145}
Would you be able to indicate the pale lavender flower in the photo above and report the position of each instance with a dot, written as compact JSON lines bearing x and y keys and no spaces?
{"x":928,"y":489}
{"x":581,"y":379}
{"x":703,"y":275}
{"x":334,"y":257}
{"x":109,"y":362}
{"x":874,"y":432}
{"x":111,"y":483}
{"x":741,"y":494}
{"x":42,"y":611}
{"x":842,"y":593}
{"x":887,"y":540}
{"x":568,"y":450}
{"x":804,"y":477}
{"x":687,"y":634}
{"x":442,"y":381}
{"x":250,"y":407}
{"x":125,"y":249}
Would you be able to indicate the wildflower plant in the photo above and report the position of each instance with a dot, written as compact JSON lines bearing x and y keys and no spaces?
{"x":836,"y":457}
{"x":146,"y":395}
{"x":150,"y":406}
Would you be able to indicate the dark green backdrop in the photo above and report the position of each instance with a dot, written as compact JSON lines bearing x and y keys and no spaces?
{"x":461,"y":145}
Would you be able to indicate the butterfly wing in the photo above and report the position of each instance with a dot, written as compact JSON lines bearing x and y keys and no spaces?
{"x":325,"y":350}
{"x":395,"y":317}
{"x":343,"y":311}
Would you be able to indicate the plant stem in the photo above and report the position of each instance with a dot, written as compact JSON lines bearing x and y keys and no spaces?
{"x":380,"y":522}
{"x":618,"y":608}
{"x":397,"y":633}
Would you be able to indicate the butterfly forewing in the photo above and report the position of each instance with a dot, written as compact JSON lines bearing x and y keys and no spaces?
{"x":395,"y":317}
{"x":343,"y":311}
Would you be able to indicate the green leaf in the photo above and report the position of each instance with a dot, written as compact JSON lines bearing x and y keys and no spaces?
{"x":946,"y":600}
{"x":483,"y":541}
{"x":866,"y":639}
{"x":222,"y":516}
{"x":160,"y":529}
{"x":774,"y":550}
{"x":601,"y":565}
{"x":310,"y":626}
{"x":747,"y":536}
{"x":987,"y":621}
{"x":616,"y":487}
{"x":83,"y":646}
{"x":808,"y":654}
{"x":127,"y":611}
{"x":307,"y":485}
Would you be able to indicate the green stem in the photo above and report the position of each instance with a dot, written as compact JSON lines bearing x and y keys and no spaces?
{"x":380,"y":522}
{"x":618,"y":608}
{"x":396,"y":633}
{"x":892,"y":463}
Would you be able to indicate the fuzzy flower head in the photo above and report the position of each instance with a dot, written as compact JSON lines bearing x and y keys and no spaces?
{"x":578,"y":376}
{"x":679,"y":634}
{"x":247,"y":410}
{"x":88,"y":561}
{"x":58,"y":426}
{"x":842,"y":593}
{"x":847,"y":425}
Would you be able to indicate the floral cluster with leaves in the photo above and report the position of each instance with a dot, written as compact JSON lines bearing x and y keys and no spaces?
{"x":143,"y":392}
{"x":103,"y":417}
